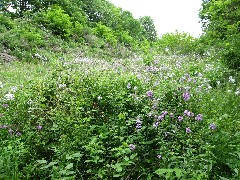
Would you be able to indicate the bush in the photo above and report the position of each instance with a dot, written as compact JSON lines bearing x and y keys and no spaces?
{"x":231,"y":52}
{"x":178,"y":43}
{"x":56,"y":20}
{"x":125,"y":38}
{"x":94,"y":120}
{"x":106,"y":33}
{"x":6,"y":21}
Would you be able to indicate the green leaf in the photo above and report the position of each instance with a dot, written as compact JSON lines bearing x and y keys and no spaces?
{"x":126,"y":158}
{"x":133,"y":156}
{"x":69,"y":166}
{"x":119,"y":169}
{"x":49,"y":165}
{"x":42,"y":161}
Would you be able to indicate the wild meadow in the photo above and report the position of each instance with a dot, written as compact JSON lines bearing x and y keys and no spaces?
{"x":102,"y":97}
{"x":85,"y":118}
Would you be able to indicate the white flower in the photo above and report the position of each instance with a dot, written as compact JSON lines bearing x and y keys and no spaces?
{"x":231,"y":79}
{"x":62,"y":86}
{"x":99,"y":98}
{"x":1,"y":84}
{"x":30,"y":101}
{"x":9,"y":97}
{"x":237,"y":92}
{"x":129,"y":86}
{"x":14,"y":89}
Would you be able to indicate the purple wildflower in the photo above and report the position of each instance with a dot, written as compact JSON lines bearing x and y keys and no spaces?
{"x":149,"y":94}
{"x":212,"y":126}
{"x":1,"y":115}
{"x":156,"y":124}
{"x":138,"y":123}
{"x":5,"y":105}
{"x":171,"y":115}
{"x":187,"y":75}
{"x":129,"y":86}
{"x":186,"y":112}
{"x":161,"y":117}
{"x":10,"y":131}
{"x":3,"y":126}
{"x":180,"y":118}
{"x":39,"y":127}
{"x":154,"y":107}
{"x":159,"y":156}
{"x":164,"y":113}
{"x":18,"y":134}
{"x":149,"y":115}
{"x":186,"y":96}
{"x":132,"y":147}
{"x":188,"y":130}
{"x":198,"y":117}
{"x":189,"y":80}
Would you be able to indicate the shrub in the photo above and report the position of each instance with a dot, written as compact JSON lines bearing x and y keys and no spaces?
{"x":105,"y":32}
{"x":178,"y":43}
{"x":6,"y":21}
{"x":56,"y":20}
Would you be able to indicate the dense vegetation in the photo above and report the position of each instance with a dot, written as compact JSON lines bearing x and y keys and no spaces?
{"x":89,"y":92}
{"x":221,"y":22}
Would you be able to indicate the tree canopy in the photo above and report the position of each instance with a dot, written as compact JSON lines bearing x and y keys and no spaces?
{"x":221,"y":24}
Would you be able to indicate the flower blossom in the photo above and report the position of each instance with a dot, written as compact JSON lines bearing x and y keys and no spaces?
{"x":180,"y":118}
{"x":62,"y":86}
{"x":132,"y":147}
{"x":9,"y":97}
{"x":231,"y":79}
{"x":39,"y":127}
{"x":18,"y":134}
{"x":138,"y":124}
{"x":186,"y":96}
{"x":188,"y":130}
{"x":156,"y":124}
{"x":149,"y":94}
{"x":212,"y":126}
{"x":198,"y":117}
{"x":129,"y":86}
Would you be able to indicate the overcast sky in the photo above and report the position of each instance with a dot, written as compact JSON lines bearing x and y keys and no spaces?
{"x":168,"y":15}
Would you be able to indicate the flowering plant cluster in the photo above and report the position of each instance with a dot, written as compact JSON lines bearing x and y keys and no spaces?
{"x":96,"y":119}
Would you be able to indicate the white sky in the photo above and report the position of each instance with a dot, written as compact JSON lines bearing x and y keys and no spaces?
{"x":168,"y":15}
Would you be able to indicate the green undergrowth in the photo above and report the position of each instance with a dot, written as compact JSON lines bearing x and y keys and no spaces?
{"x":83,"y":118}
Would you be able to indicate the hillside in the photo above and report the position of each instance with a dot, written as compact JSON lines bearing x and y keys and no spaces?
{"x":89,"y":92}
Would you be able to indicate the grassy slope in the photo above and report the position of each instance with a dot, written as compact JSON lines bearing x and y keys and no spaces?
{"x":215,"y":95}
{"x":218,"y":105}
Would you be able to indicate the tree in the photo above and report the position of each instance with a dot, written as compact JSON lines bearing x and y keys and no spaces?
{"x":220,"y":17}
{"x":149,"y":30}
{"x":221,"y":24}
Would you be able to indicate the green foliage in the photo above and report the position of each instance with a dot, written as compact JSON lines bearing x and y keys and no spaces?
{"x":221,"y":24}
{"x":179,"y":43}
{"x":105,"y":32}
{"x":6,"y":22}
{"x":149,"y":31}
{"x":91,"y":118}
{"x":125,"y":38}
{"x":56,"y":20}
